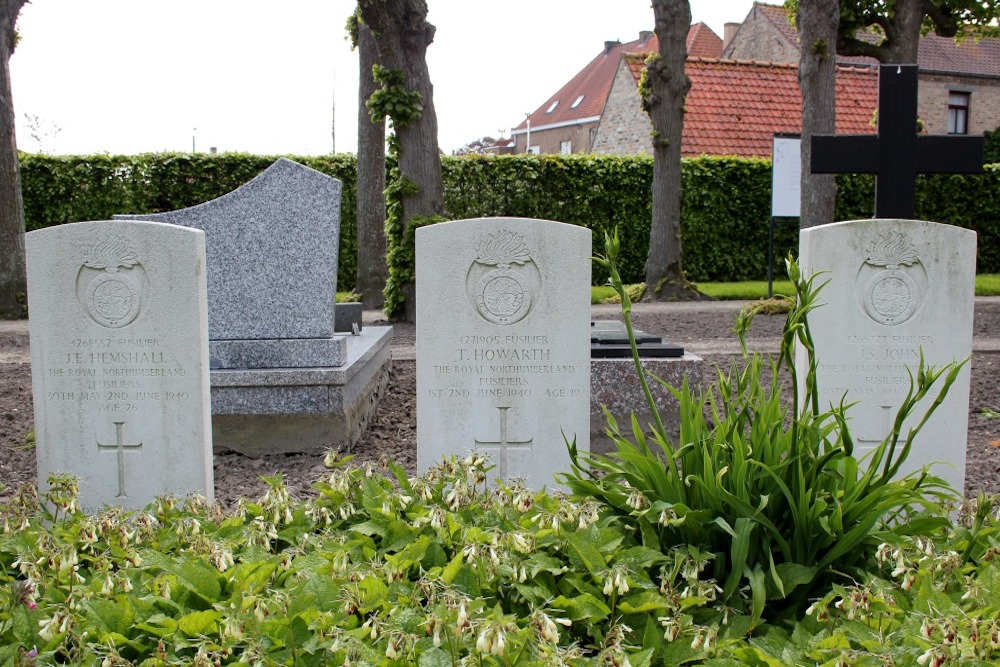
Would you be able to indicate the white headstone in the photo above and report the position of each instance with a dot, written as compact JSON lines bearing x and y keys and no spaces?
{"x":119,"y":360}
{"x":503,"y":344}
{"x":896,"y":287}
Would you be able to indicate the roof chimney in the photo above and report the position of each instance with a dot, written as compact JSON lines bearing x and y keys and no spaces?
{"x":644,"y":36}
{"x":610,"y":45}
{"x":729,"y":31}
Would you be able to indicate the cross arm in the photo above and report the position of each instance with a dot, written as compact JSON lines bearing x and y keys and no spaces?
{"x":842,"y":154}
{"x":948,"y":154}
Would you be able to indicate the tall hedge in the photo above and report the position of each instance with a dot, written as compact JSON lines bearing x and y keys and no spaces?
{"x":58,"y":189}
{"x":725,"y":209}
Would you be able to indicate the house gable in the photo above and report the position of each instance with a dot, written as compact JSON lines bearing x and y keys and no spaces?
{"x":570,"y":116}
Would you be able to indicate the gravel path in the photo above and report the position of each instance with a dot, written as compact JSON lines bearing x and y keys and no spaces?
{"x":704,"y":328}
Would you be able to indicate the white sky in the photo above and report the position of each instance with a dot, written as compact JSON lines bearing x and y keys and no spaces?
{"x":132,"y":76}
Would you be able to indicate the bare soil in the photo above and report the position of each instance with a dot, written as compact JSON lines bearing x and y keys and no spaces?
{"x":392,"y":432}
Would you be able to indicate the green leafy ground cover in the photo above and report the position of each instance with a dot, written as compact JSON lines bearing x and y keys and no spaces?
{"x":386,"y":570}
{"x":757,"y":539}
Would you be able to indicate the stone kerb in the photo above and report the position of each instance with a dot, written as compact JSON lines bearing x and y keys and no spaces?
{"x":897,"y":288}
{"x":119,"y":360}
{"x":503,"y":344}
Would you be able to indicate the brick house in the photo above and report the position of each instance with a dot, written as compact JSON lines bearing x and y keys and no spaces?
{"x":959,"y":90}
{"x":734,"y":107}
{"x":567,"y":121}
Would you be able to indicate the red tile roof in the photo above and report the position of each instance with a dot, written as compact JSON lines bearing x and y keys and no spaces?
{"x":735,"y":107}
{"x":592,"y":84}
{"x":968,"y":56}
{"x":936,"y":53}
{"x":702,"y":42}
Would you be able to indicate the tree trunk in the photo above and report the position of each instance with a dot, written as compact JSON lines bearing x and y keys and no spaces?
{"x":817,"y":21}
{"x":372,"y":268}
{"x":662,"y":94}
{"x":13,"y":283}
{"x":902,"y":32}
{"x":403,"y":34}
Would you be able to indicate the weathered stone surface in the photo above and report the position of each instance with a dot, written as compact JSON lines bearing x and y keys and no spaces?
{"x":503,"y":343}
{"x":272,"y":247}
{"x":119,"y":360}
{"x":615,"y":385}
{"x":897,"y":289}
{"x":268,"y":411}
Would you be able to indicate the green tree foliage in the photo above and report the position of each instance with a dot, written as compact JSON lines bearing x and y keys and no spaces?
{"x":991,"y":147}
{"x":889,"y":30}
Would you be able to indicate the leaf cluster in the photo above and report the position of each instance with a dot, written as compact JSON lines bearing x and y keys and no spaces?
{"x":378,"y":568}
{"x":392,"y":99}
{"x":775,"y":493}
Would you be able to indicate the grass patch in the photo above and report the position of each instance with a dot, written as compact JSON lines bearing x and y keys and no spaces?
{"x":347,"y":297}
{"x":749,"y":289}
{"x":988,"y":284}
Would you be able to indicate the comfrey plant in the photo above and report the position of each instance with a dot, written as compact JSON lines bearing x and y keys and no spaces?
{"x":775,"y":495}
{"x":378,"y":569}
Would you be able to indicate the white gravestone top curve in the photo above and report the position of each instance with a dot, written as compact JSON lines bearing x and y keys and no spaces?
{"x":896,"y":288}
{"x":119,"y":360}
{"x":503,"y":344}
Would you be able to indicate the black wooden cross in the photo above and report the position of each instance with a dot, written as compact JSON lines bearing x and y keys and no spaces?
{"x":897,"y":153}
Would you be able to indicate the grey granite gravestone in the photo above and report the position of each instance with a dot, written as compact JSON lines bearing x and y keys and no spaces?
{"x":119,"y":360}
{"x":272,"y":247}
{"x":283,"y":379}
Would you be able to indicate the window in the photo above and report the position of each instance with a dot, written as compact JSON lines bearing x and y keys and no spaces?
{"x":553,"y":107}
{"x":566,"y":147}
{"x":535,"y":150}
{"x":958,"y":113}
{"x":577,"y":102}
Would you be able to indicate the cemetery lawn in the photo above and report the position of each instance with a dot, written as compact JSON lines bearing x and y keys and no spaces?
{"x":987,"y":284}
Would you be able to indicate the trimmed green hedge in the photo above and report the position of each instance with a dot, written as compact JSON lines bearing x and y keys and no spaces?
{"x":58,"y":189}
{"x":725,"y":211}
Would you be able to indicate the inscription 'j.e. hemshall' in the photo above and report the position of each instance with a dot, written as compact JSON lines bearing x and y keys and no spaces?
{"x":119,"y":360}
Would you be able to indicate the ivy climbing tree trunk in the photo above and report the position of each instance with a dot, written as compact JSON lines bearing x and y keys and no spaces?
{"x":402,"y":34}
{"x":13,"y":283}
{"x":662,"y":90}
{"x":817,"y":21}
{"x":373,"y":270}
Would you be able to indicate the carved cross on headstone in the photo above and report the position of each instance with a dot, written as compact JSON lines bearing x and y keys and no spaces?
{"x":120,"y":447}
{"x":897,"y":153}
{"x":864,"y":444}
{"x":505,"y":443}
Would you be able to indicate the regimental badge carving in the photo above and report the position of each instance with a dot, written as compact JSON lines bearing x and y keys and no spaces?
{"x":503,"y":280}
{"x":892,"y":280}
{"x":111,"y":282}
